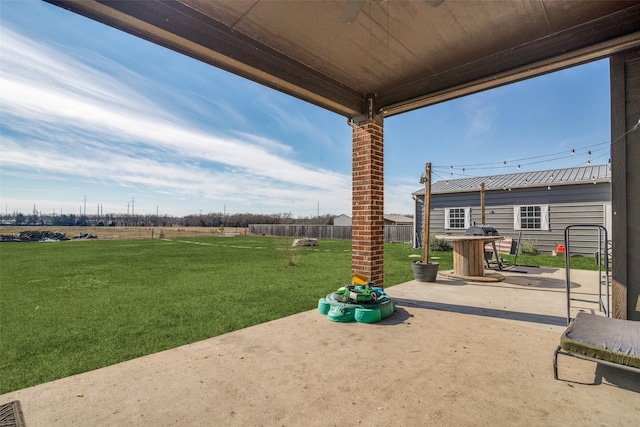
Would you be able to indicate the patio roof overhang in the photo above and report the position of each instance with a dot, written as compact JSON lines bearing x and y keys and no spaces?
{"x":408,"y":54}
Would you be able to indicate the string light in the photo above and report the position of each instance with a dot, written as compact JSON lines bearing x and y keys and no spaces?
{"x":544,"y":158}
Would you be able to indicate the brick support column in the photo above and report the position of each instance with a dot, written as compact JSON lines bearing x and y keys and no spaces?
{"x":367,"y":250}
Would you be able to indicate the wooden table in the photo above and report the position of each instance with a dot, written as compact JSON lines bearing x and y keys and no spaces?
{"x":468,"y":257}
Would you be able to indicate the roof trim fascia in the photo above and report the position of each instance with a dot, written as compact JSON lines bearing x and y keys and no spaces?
{"x":557,"y":63}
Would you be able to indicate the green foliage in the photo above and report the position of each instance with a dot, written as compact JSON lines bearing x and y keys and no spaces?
{"x":529,"y":247}
{"x":291,"y":253}
{"x":439,"y":245}
{"x":577,"y":262}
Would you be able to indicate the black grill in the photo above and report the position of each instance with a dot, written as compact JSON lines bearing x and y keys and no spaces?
{"x":481,"y":230}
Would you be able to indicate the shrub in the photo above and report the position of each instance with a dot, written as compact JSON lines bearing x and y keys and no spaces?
{"x":290,"y":252}
{"x":438,"y":245}
{"x":529,"y":247}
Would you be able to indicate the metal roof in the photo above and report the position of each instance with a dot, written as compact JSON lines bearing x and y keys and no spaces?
{"x":363,"y":57}
{"x":544,"y":178}
{"x":392,"y":218}
{"x":398,"y":218}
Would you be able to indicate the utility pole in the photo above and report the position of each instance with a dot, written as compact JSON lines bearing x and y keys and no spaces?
{"x":482,"y":204}
{"x":85,"y":205}
{"x":427,"y":213}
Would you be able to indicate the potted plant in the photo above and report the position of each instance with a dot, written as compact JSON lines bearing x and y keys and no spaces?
{"x":424,"y":270}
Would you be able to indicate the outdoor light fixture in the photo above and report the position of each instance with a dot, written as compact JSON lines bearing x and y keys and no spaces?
{"x":423,"y":178}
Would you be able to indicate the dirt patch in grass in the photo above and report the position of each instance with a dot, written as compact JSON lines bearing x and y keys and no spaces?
{"x":133,"y":233}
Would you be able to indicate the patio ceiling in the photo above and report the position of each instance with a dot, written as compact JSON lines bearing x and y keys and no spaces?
{"x":407,"y":54}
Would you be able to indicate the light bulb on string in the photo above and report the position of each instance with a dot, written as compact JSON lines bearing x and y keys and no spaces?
{"x":589,"y":154}
{"x":518,"y":167}
{"x":573,"y":152}
{"x":588,"y":162}
{"x":504,"y":164}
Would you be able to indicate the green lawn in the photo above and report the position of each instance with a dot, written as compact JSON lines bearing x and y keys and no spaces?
{"x":70,"y":307}
{"x":74,"y":306}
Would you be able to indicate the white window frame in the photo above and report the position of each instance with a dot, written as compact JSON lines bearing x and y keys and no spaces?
{"x":467,"y":219}
{"x":544,"y":217}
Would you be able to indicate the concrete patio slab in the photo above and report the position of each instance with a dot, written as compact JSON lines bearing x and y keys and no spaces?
{"x":455,"y":353}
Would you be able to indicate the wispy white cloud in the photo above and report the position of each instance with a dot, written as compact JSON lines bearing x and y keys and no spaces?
{"x":397,"y":195}
{"x":61,"y":116}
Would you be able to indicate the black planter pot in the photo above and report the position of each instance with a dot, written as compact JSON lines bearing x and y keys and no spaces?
{"x":425,"y":272}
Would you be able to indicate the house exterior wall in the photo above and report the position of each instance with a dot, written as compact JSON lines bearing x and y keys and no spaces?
{"x":342,"y":220}
{"x":568,"y":204}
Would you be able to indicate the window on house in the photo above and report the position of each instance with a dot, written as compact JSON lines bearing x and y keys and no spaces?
{"x":457,"y":218}
{"x":533,"y":217}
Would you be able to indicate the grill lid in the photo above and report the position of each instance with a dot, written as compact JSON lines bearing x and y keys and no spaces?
{"x":481,"y":230}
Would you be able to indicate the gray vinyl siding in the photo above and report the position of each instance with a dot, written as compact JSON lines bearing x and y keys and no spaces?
{"x":568,"y":204}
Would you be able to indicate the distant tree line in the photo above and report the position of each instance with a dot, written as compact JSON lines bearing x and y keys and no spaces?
{"x":127,"y":220}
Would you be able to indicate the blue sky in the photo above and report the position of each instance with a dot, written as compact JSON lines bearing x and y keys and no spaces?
{"x":87,"y":111}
